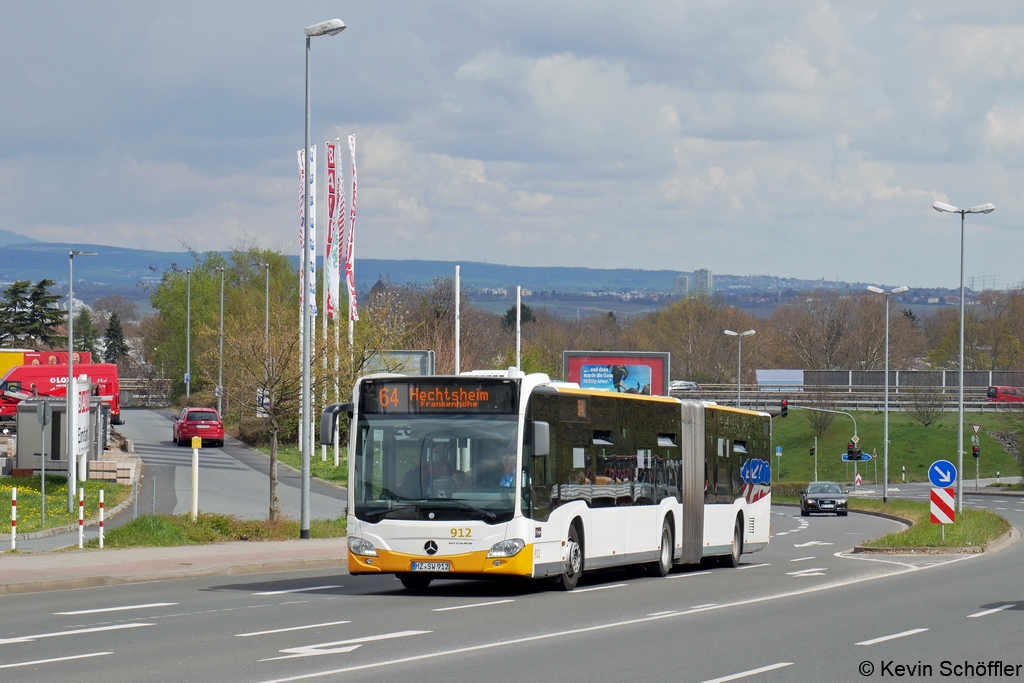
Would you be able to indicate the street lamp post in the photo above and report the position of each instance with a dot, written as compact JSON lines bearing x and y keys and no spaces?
{"x":739,"y":359}
{"x":331,"y":27}
{"x":948,"y":208}
{"x":188,"y":333}
{"x":220,"y":369}
{"x":70,"y":394}
{"x":885,"y":435}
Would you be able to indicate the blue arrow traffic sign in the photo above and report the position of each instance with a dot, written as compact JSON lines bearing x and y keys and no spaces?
{"x":942,"y":474}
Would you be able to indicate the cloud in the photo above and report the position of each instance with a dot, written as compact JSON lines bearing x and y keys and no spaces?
{"x":742,"y":137}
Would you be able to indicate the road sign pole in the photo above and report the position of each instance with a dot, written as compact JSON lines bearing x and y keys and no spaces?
{"x":197,"y":442}
{"x":815,"y":458}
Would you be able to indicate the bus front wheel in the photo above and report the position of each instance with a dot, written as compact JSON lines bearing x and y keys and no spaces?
{"x":573,"y":561}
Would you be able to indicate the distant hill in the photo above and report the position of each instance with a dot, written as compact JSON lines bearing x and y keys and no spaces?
{"x":7,"y":237}
{"x":133,"y":272}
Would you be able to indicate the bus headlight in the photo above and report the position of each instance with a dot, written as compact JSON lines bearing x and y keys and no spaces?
{"x":507,"y":548}
{"x":360,"y":546}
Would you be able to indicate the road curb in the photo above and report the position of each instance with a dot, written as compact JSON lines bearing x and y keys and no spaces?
{"x":71,"y":583}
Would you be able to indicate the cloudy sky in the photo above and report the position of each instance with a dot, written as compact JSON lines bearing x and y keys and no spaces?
{"x":796,"y":138}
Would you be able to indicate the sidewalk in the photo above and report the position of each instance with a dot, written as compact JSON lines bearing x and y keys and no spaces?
{"x":90,"y":568}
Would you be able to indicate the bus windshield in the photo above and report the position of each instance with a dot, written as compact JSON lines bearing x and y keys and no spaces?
{"x":436,"y":466}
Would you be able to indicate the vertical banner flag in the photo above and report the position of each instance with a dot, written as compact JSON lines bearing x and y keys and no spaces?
{"x":331,"y":260}
{"x":302,"y":235}
{"x":350,"y":242}
{"x":311,"y":216}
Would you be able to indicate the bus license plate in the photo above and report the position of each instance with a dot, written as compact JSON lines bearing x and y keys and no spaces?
{"x":431,"y":566}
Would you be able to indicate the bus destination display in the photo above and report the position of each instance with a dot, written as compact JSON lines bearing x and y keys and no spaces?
{"x":432,"y":397}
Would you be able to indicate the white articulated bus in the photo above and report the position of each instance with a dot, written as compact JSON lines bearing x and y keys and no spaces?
{"x":505,"y":474}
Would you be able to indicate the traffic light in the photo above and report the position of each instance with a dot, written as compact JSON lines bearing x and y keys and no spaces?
{"x":849,"y":451}
{"x":857,"y":455}
{"x":812,"y":451}
{"x":785,"y":408}
{"x":976,"y":451}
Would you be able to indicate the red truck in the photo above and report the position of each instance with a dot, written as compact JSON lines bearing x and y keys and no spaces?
{"x":23,"y":381}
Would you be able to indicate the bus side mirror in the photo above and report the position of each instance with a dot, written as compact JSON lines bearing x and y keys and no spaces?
{"x":541,"y":439}
{"x":328,"y":419}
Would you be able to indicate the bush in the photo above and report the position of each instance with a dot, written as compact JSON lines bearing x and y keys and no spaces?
{"x":251,"y":431}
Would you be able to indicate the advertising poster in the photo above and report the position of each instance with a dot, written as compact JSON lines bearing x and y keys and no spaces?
{"x":82,"y":387}
{"x":622,"y":372}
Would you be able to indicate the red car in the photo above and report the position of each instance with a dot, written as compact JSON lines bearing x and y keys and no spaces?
{"x":201,"y":422}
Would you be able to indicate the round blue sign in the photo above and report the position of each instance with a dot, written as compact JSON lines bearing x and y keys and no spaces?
{"x":942,"y":474}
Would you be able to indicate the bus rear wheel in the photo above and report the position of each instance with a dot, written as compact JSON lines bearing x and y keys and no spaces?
{"x":568,"y":579}
{"x":415,"y":583}
{"x":733,"y":558}
{"x":664,"y":564}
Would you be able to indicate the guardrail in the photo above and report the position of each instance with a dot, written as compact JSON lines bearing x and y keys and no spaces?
{"x":845,"y":397}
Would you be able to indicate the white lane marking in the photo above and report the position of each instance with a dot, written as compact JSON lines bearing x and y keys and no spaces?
{"x":810,"y":543}
{"x":683,"y":576}
{"x":710,"y":604}
{"x":298,"y":590}
{"x":801,"y":559}
{"x":612,"y":625}
{"x":1000,"y":508}
{"x":892,"y":637}
{"x":1016,"y":510}
{"x":339,"y":646}
{"x":75,"y":632}
{"x":292,"y":628}
{"x":755,"y":566}
{"x":55,"y":659}
{"x":661,"y":614}
{"x":476,"y":604}
{"x":744,"y":674}
{"x":807,"y":571}
{"x":989,"y":611}
{"x":115,"y":609}
{"x":598,"y":588}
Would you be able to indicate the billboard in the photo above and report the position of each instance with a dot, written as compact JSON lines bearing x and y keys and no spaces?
{"x":402,"y":362}
{"x":625,"y":372}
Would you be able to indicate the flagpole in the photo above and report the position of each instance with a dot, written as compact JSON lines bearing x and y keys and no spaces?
{"x":339,"y":189}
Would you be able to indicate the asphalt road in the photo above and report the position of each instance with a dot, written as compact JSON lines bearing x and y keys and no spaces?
{"x":801,"y":610}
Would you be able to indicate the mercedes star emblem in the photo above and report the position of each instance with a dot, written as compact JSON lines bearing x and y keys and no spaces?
{"x":430,"y":547}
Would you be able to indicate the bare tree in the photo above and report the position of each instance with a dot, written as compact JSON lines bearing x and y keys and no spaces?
{"x":926,"y":404}
{"x":822,"y":399}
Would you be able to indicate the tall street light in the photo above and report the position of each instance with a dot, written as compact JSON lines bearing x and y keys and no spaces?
{"x":188,"y":334}
{"x":331,"y":27}
{"x":739,"y":359}
{"x":70,"y":405}
{"x":948,"y":208}
{"x":266,"y":327}
{"x":885,"y":435}
{"x":220,"y":369}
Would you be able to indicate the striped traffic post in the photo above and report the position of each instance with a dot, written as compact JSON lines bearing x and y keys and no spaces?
{"x":101,"y":518}
{"x":14,"y":516}
{"x":943,"y":509}
{"x":81,"y":516}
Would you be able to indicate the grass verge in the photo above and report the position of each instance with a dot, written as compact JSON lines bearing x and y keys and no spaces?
{"x":174,"y":530}
{"x":321,"y":469}
{"x":972,"y":527}
{"x":57,"y":515}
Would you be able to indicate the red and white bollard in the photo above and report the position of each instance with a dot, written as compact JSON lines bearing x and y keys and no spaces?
{"x":81,"y":516}
{"x":14,"y":516}
{"x":101,"y":518}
